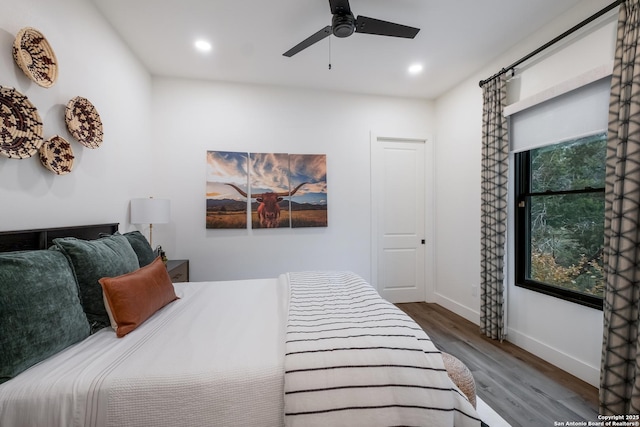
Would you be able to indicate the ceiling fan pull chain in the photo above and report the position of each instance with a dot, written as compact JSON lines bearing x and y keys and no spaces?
{"x":330,"y":53}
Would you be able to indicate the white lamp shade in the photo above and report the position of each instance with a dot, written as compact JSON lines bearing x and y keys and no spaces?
{"x":150,"y":211}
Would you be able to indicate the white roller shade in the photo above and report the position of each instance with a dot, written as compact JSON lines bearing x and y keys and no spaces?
{"x":580,"y":112}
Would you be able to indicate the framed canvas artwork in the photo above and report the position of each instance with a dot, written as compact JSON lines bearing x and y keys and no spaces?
{"x":309,"y":206}
{"x":266,"y":190}
{"x":227,"y":187}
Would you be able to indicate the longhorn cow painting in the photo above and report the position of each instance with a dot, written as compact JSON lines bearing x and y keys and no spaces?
{"x":309,"y":206}
{"x":269,"y":182}
{"x":226,"y":207}
{"x":285,"y":190}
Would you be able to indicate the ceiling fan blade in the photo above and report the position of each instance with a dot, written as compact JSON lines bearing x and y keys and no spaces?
{"x":383,"y":28}
{"x":315,"y":38}
{"x":340,"y":7}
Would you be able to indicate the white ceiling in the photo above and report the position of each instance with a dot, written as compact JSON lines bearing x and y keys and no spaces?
{"x":457,"y":38}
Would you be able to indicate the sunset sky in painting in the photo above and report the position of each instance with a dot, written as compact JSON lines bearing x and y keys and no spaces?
{"x":226,"y":167}
{"x":310,"y":168}
{"x":267,"y":172}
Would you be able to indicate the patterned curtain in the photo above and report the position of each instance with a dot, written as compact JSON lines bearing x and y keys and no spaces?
{"x":495,"y":153}
{"x":620,"y":369}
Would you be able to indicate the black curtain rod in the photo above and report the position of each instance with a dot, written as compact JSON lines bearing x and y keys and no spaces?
{"x":554,"y":41}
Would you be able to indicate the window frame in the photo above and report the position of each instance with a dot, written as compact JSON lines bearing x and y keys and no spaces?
{"x":522,"y":197}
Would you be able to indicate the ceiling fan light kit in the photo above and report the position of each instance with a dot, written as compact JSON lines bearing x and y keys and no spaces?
{"x":344,"y":24}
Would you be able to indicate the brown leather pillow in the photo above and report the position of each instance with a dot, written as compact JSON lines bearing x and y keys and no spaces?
{"x":132,"y":298}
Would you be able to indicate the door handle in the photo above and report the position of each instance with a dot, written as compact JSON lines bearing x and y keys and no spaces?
{"x":423,"y":241}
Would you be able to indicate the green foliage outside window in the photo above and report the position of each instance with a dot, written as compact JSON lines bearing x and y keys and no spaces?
{"x":566,"y":216}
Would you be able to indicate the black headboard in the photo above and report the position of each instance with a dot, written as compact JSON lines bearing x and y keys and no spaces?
{"x":42,"y":238}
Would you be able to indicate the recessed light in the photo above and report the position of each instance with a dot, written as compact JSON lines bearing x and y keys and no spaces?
{"x":202,"y":45}
{"x":415,"y":69}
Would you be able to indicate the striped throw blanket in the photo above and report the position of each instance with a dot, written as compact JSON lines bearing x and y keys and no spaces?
{"x":354,"y":359}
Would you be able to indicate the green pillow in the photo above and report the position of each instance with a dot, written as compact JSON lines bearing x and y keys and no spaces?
{"x":91,"y":261}
{"x":141,"y":247}
{"x":40,"y":313}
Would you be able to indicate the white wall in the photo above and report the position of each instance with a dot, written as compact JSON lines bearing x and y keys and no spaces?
{"x":95,"y":64}
{"x":565,"y":334}
{"x":191,"y":117}
{"x":457,"y":204}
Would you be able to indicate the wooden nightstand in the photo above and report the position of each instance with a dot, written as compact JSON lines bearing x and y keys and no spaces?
{"x":178,"y":270}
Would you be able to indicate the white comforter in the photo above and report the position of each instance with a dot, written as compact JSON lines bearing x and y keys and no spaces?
{"x":216,"y":357}
{"x":211,"y":358}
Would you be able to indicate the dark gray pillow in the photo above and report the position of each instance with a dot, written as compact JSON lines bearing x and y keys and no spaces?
{"x":91,"y":261}
{"x":141,"y":247}
{"x":40,"y":313}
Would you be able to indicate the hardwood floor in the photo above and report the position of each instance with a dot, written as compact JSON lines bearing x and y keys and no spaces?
{"x":524,"y":389}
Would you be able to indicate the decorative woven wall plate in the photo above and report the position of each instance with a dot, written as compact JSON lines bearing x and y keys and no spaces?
{"x":56,"y":155}
{"x":20,"y":125}
{"x":83,"y":121}
{"x":35,"y":57}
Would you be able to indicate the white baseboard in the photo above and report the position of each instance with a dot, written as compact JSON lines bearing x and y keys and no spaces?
{"x":575,"y":367}
{"x":457,"y":308}
{"x":578,"y":368}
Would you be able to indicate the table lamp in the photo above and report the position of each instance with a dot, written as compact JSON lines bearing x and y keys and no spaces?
{"x":150,"y":211}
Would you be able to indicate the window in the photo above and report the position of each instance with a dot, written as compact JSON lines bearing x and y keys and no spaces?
{"x":559,"y":219}
{"x":557,"y":158}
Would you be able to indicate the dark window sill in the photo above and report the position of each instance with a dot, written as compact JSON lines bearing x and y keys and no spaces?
{"x":564,"y":294}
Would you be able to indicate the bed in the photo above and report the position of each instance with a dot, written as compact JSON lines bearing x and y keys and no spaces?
{"x":302,"y":349}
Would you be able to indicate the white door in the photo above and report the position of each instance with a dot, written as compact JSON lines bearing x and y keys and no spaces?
{"x":398,"y":214}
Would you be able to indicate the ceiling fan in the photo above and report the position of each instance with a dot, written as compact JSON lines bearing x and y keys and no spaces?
{"x":343,"y":24}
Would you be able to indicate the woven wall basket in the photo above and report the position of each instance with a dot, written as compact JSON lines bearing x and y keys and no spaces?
{"x":83,"y":121}
{"x":35,"y":57}
{"x":56,"y":155}
{"x":20,"y":125}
